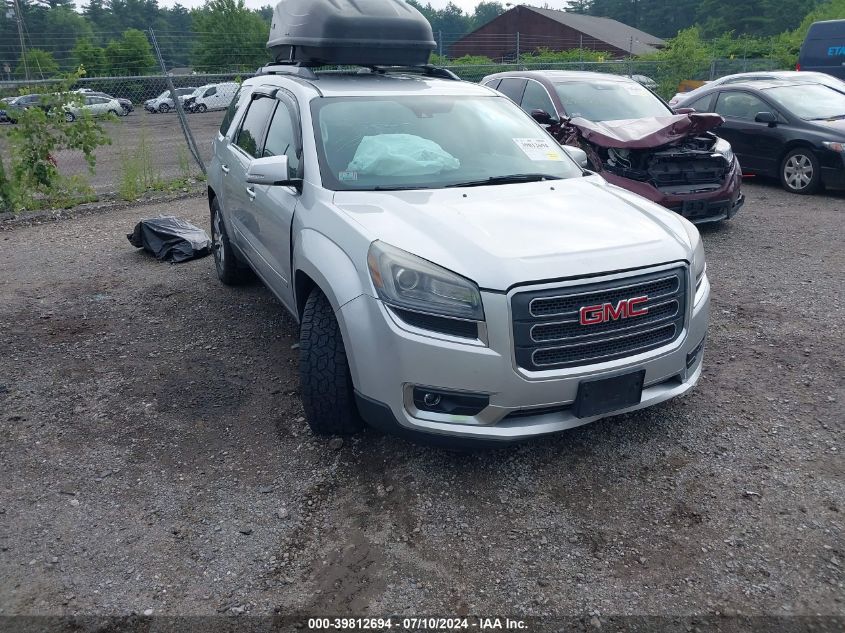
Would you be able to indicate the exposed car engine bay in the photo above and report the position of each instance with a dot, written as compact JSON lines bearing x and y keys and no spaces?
{"x":691,"y":166}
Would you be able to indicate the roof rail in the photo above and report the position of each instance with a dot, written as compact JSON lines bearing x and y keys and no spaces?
{"x":304,"y":71}
{"x":278,"y":68}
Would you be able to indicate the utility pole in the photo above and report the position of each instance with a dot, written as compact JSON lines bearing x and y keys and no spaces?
{"x":19,"y":20}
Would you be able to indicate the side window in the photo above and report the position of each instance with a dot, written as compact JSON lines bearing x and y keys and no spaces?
{"x":740,"y":105}
{"x":702,"y":104}
{"x":536,"y":98}
{"x":210,"y":92}
{"x":250,"y":134}
{"x":512,"y":87}
{"x":281,"y":138}
{"x":230,"y":111}
{"x":493,"y":83}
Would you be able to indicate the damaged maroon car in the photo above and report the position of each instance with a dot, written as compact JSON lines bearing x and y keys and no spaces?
{"x":633,"y":139}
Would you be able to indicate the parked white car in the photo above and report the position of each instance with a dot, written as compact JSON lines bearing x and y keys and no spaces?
{"x":97,"y":106}
{"x":213,"y":97}
{"x":785,"y":75}
{"x":163,"y":103}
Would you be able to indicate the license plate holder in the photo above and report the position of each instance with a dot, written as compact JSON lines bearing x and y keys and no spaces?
{"x":596,"y":397}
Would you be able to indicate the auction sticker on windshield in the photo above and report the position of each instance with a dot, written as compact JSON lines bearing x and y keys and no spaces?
{"x":538,"y":148}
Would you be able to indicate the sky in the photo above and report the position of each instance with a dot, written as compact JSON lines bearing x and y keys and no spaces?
{"x":466,"y":5}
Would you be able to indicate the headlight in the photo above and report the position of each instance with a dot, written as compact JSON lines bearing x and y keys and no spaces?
{"x":834,"y":146}
{"x":724,"y":148}
{"x":412,"y":283}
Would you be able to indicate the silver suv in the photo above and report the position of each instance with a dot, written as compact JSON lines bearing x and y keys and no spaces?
{"x":454,"y":270}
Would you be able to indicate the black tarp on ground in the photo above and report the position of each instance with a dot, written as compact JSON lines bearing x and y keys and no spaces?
{"x":170,"y":239}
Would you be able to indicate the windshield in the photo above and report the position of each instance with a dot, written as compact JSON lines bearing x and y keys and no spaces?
{"x":430,"y":142}
{"x":609,"y":100}
{"x":812,"y":102}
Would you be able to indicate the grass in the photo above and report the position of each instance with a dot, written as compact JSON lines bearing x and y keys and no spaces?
{"x":139,"y":172}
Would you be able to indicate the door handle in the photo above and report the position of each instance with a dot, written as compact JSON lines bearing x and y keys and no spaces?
{"x":224,"y":169}
{"x":251,"y":193}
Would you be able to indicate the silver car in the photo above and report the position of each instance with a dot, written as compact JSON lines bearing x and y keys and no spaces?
{"x":454,"y":271}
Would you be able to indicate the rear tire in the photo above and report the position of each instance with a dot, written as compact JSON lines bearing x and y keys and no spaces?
{"x":800,"y":171}
{"x":230,"y":269}
{"x":328,"y":396}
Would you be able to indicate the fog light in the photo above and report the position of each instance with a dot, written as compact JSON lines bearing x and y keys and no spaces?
{"x":431,"y":399}
{"x":450,"y":402}
{"x":693,"y":355}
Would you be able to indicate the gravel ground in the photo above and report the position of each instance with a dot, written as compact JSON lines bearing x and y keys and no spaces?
{"x":154,"y":458}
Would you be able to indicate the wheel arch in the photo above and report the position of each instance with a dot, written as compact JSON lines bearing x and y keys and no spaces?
{"x":795,"y":144}
{"x":319,"y":262}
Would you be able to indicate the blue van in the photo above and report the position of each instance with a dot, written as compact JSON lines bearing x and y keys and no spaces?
{"x":823,"y":49}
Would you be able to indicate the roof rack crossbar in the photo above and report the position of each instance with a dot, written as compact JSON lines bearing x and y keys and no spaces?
{"x":428,"y":70}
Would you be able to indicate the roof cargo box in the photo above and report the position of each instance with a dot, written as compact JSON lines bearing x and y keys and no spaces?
{"x":360,"y":32}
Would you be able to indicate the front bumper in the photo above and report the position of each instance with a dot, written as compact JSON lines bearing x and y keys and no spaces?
{"x":388,"y":358}
{"x":711,"y":206}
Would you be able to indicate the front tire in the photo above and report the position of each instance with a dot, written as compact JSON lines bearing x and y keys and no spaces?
{"x":164,"y":108}
{"x":70,"y":117}
{"x":328,"y":396}
{"x":800,"y":171}
{"x":230,"y":269}
{"x":202,"y":108}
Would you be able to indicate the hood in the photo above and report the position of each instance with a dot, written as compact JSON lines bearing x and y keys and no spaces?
{"x":833,"y":125}
{"x":500,"y":236}
{"x":646,"y":133}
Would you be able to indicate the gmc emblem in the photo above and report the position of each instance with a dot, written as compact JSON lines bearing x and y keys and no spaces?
{"x":626,"y":308}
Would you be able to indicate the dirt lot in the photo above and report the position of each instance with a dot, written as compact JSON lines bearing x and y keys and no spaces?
{"x":161,"y":133}
{"x":154,"y":458}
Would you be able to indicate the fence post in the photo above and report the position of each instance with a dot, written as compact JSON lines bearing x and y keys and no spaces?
{"x":517,"y":48}
{"x":183,"y":122}
{"x":745,"y":55}
{"x":440,"y":43}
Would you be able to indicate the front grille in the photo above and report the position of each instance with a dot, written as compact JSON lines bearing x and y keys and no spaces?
{"x":548,"y":333}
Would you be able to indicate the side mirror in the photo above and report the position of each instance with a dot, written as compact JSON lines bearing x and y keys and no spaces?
{"x":684,"y":110}
{"x":272,"y":170}
{"x":766,"y":117}
{"x":578,"y":155}
{"x":542,"y":117}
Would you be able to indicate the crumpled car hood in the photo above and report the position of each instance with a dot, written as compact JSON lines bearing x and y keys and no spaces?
{"x":645,"y":133}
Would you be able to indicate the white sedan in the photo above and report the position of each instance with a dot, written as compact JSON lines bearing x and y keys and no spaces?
{"x":97,"y":106}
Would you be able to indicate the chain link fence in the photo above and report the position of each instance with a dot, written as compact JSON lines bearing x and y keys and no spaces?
{"x":149,"y":149}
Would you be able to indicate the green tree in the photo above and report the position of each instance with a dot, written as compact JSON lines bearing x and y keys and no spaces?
{"x":685,"y":57}
{"x":92,"y":58}
{"x":130,"y":55}
{"x":38,"y":135}
{"x":230,"y":37}
{"x":40,"y":64}
{"x":63,"y":27}
{"x":485,"y":12}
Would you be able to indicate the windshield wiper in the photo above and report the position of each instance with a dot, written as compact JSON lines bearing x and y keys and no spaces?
{"x":828,"y":118}
{"x":504,"y":180}
{"x":395,"y":188}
